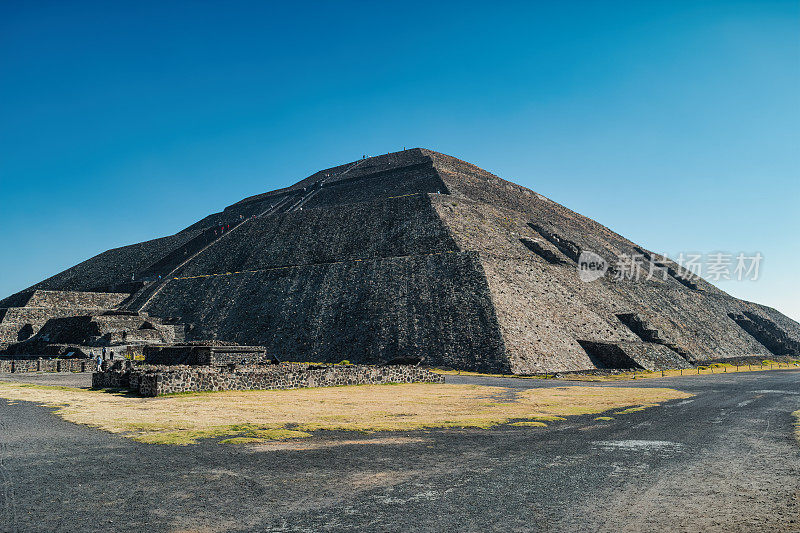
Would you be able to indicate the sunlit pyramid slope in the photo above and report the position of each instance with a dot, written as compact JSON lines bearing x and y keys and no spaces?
{"x":417,"y":254}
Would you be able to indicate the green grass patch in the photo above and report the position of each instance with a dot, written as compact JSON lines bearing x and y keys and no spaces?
{"x":47,"y":387}
{"x":633,"y":409}
{"x":261,"y":436}
{"x":182,"y":436}
{"x":605,"y":418}
{"x":478,"y":423}
{"x":278,"y":434}
{"x":243,"y":440}
{"x":530,"y":423}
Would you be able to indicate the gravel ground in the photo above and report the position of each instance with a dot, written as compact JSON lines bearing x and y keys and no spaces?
{"x":63,"y":379}
{"x":725,"y":460}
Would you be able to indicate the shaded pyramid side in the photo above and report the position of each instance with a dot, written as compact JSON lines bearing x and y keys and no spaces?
{"x":126,"y":268}
{"x":367,"y":282}
{"x":111,"y":270}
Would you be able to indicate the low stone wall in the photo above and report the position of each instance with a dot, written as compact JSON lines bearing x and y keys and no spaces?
{"x":111,"y":379}
{"x":156,"y":381}
{"x":196,"y":354}
{"x":47,"y":365}
{"x":233,"y":355}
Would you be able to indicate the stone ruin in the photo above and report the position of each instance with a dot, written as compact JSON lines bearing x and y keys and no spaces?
{"x":79,"y":324}
{"x":214,"y":353}
{"x":196,"y":367}
{"x":414,"y":255}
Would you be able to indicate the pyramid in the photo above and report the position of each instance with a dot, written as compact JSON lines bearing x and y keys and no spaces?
{"x":420,"y":255}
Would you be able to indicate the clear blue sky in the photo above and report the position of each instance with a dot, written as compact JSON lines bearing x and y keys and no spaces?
{"x":674,"y":123}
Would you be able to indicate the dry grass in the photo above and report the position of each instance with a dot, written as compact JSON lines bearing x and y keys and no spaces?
{"x":797,"y":424}
{"x":469,"y":373}
{"x":716,"y":368}
{"x":185,"y":418}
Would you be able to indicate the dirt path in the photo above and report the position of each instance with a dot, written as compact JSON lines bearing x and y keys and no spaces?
{"x":725,"y":460}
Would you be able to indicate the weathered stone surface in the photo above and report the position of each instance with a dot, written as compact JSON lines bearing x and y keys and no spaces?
{"x":420,"y":254}
{"x":206,"y":354}
{"x":86,"y":300}
{"x":64,"y":322}
{"x":47,"y":365}
{"x":435,"y":307}
{"x":29,"y":311}
{"x":156,"y":381}
{"x":113,"y":268}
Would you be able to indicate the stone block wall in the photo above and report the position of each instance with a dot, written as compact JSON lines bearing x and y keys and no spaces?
{"x":112,"y":379}
{"x":374,"y":167}
{"x":24,"y":365}
{"x":157,"y":381}
{"x":65,"y":321}
{"x":169,"y":355}
{"x":390,"y":227}
{"x":368,"y":312}
{"x":11,"y":333}
{"x":47,"y":365}
{"x":376,"y":266}
{"x":211,"y":355}
{"x":544,"y":308}
{"x":393,"y":183}
{"x":233,"y":355}
{"x":102,"y":300}
{"x":38,"y":316}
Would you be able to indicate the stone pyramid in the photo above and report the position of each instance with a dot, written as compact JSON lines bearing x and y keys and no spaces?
{"x":420,"y":255}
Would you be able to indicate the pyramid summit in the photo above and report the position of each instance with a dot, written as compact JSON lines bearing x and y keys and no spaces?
{"x":414,"y":254}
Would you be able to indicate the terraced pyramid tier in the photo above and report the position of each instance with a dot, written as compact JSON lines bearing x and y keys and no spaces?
{"x":420,"y":255}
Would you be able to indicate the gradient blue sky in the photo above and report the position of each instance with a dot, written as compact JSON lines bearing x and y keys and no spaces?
{"x":674,"y":123}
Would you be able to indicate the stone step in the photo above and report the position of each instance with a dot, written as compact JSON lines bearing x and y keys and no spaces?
{"x":40,"y":315}
{"x":138,"y":336}
{"x":101,"y":300}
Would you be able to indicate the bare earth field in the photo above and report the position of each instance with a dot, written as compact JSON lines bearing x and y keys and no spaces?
{"x":704,"y":453}
{"x":250,"y":417}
